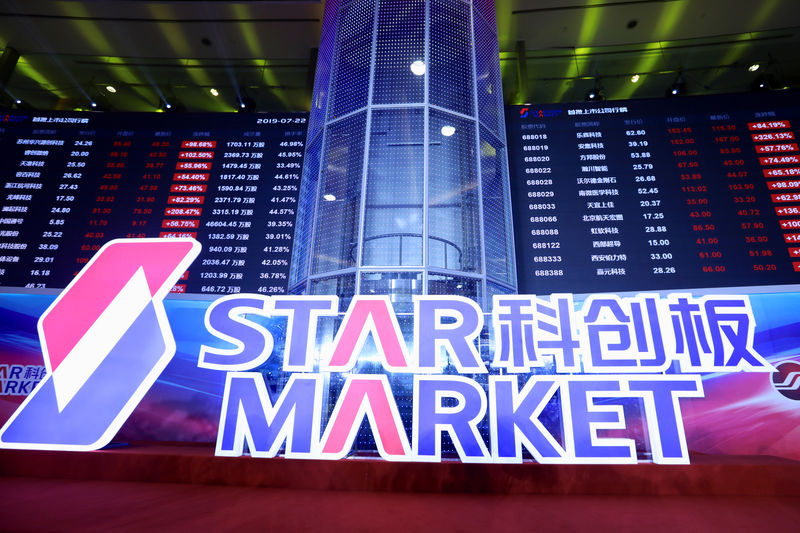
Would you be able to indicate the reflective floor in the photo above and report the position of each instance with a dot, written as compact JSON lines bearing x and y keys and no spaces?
{"x":29,"y":504}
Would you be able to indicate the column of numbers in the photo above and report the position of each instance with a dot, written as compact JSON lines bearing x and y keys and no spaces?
{"x":280,"y":215}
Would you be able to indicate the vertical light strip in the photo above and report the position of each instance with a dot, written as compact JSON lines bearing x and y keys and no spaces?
{"x":426,"y":151}
{"x":367,"y":138}
{"x":323,"y":156}
{"x":478,"y":169}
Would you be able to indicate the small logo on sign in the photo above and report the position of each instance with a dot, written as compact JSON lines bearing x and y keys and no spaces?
{"x":786,"y":379}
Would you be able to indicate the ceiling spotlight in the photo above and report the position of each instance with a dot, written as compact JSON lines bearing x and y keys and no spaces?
{"x":246,"y":104}
{"x":329,"y":197}
{"x":596,"y":93}
{"x":18,"y":101}
{"x":764,"y":82}
{"x":214,"y":92}
{"x":753,"y":67}
{"x":93,"y":104}
{"x":173,"y":106}
{"x":448,"y":131}
{"x":418,"y":68}
{"x":111,"y":89}
{"x":634,"y":78}
{"x":170,"y":103}
{"x":678,"y":87}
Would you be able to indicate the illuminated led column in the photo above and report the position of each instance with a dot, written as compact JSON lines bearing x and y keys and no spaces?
{"x":405,"y":184}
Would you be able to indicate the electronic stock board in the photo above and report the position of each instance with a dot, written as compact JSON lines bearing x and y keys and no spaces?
{"x":72,"y":181}
{"x":678,"y":193}
{"x":607,"y":196}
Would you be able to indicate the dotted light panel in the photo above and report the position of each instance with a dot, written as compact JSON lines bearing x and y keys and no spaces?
{"x":405,"y":185}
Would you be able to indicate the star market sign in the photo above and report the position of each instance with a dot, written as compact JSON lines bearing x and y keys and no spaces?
{"x":645,"y":347}
{"x":106,"y":339}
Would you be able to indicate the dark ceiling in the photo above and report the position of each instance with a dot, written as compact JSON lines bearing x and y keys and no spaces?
{"x":550,"y":50}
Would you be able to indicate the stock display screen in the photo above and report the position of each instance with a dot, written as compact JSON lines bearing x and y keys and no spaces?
{"x":607,"y":196}
{"x":656,"y":194}
{"x":71,"y":182}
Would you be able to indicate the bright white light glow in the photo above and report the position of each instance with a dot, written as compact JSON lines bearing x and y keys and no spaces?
{"x":111,"y":89}
{"x":447,"y":131}
{"x":418,"y":68}
{"x":634,"y":78}
{"x":214,"y":92}
{"x":753,"y":67}
{"x":329,"y":197}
